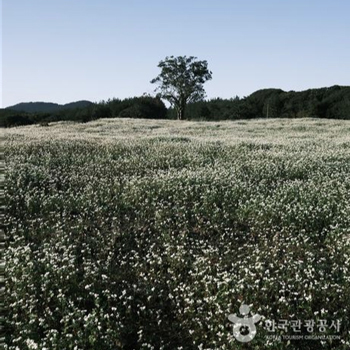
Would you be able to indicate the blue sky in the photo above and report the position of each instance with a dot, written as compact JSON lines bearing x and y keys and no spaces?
{"x":67,"y":50}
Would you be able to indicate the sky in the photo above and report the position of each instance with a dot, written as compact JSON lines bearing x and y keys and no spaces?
{"x":68,"y":50}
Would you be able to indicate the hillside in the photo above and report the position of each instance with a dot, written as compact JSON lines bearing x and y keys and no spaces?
{"x":47,"y":107}
{"x":165,"y":226}
{"x":326,"y":103}
{"x":329,"y":102}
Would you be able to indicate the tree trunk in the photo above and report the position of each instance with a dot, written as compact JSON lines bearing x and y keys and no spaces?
{"x":180,"y":111}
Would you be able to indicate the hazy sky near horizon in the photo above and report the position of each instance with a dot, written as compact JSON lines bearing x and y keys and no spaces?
{"x":67,"y":50}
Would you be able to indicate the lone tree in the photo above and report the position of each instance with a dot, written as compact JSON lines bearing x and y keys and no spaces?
{"x":181,"y":81}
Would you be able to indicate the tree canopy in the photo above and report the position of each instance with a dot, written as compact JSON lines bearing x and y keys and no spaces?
{"x":181,"y":81}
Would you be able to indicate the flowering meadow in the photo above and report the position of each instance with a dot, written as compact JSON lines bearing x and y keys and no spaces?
{"x":140,"y":234}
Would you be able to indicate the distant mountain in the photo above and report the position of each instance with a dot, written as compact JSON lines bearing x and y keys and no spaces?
{"x":47,"y":107}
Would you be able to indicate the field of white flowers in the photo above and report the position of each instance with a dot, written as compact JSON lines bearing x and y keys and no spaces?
{"x":140,"y":234}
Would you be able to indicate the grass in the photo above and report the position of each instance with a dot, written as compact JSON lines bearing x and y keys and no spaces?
{"x":142,"y":234}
